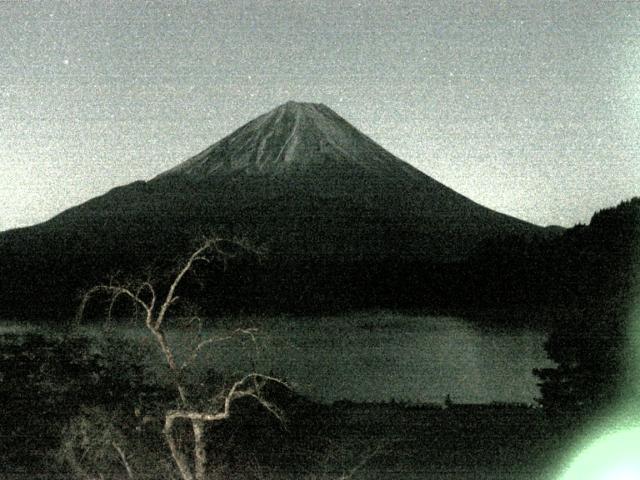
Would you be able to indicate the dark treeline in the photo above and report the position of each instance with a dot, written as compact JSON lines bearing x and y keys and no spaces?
{"x":590,"y":341}
{"x":592,"y":262}
{"x":44,"y":277}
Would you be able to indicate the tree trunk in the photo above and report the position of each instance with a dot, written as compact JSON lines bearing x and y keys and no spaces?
{"x":171,"y":362}
{"x":178,"y":456}
{"x":200,"y":449}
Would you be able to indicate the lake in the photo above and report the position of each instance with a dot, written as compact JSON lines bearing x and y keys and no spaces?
{"x":377,"y":356}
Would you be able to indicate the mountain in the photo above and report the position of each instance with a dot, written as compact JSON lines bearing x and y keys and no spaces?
{"x":326,"y":200}
{"x":306,"y":182}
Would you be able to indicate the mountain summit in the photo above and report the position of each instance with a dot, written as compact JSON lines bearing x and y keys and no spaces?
{"x":293,"y":137}
{"x":332,"y":206}
{"x":298,"y":141}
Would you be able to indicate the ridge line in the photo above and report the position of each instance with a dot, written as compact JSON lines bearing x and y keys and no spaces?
{"x":286,"y":143}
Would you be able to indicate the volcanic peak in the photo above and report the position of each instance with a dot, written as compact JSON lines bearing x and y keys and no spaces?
{"x":295,"y":136}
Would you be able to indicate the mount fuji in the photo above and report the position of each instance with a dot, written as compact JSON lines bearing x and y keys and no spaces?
{"x":319,"y":194}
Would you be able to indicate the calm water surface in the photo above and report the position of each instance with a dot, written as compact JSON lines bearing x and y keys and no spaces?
{"x":378,"y":357}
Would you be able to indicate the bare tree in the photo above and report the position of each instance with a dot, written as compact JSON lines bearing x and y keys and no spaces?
{"x":154,"y":308}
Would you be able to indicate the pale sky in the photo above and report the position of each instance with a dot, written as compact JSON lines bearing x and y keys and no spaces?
{"x":531,"y":108}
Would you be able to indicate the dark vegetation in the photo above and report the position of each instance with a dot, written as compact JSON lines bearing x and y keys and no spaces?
{"x":590,"y":338}
{"x":67,"y":399}
{"x":556,"y":270}
{"x":593,"y":263}
{"x":58,"y":391}
{"x":48,"y":380}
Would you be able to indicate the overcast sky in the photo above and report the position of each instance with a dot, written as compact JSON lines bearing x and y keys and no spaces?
{"x":530,"y":108}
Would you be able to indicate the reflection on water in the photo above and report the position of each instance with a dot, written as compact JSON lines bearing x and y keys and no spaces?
{"x":379,"y":357}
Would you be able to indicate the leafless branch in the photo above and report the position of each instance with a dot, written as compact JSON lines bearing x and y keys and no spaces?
{"x":123,"y":459}
{"x":196,"y":350}
{"x":115,"y":292}
{"x":235,"y":392}
{"x":147,"y":285}
{"x":196,"y":256}
{"x":145,"y":296}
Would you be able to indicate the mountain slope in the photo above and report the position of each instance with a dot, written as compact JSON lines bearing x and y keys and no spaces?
{"x":299,"y":179}
{"x":302,"y":168}
{"x":292,"y":138}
